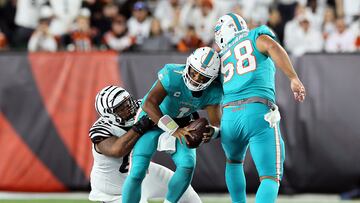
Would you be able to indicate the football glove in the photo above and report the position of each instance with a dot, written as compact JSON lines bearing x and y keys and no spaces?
{"x":143,"y":124}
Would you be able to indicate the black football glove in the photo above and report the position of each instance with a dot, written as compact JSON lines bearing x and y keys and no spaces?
{"x":143,"y":124}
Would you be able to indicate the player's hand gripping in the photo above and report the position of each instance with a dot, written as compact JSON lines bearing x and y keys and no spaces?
{"x":143,"y":124}
{"x":298,"y":89}
{"x":181,"y":132}
{"x":207,"y":136}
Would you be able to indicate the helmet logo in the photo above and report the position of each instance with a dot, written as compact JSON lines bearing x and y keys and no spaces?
{"x":218,"y":27}
{"x":208,"y":60}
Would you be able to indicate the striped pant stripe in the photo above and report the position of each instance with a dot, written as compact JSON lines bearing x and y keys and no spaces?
{"x":278,"y":152}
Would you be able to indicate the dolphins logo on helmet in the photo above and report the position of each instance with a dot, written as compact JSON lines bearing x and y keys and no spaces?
{"x":227,"y":27}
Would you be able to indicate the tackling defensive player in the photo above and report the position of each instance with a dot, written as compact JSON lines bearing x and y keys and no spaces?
{"x":114,"y":135}
{"x":250,"y":116}
{"x":180,"y":90}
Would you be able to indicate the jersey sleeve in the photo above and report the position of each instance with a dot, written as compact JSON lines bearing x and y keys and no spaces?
{"x":100,"y":131}
{"x":164,"y":77}
{"x":264,"y":30}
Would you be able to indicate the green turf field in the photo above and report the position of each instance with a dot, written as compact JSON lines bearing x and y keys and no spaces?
{"x":45,"y":201}
{"x":210,"y":199}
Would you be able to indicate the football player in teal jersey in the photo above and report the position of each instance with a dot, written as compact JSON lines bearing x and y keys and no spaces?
{"x":180,"y":90}
{"x":250,"y":116}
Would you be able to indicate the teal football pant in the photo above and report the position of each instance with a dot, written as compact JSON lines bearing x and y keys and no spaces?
{"x":243,"y":126}
{"x":184,"y":159}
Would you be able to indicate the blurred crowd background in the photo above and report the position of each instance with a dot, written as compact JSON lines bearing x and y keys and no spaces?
{"x":302,"y":26}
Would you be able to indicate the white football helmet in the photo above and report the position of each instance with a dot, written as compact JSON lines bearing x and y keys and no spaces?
{"x":205,"y":61}
{"x":111,"y":97}
{"x":227,"y":27}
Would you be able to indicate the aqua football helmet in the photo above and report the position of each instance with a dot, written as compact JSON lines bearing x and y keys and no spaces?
{"x":227,"y":27}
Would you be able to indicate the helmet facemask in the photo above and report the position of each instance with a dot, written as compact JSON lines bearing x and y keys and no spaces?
{"x":202,"y":67}
{"x":126,"y":110}
{"x":196,"y":80}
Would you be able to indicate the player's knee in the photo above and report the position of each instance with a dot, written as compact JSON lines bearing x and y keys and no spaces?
{"x":139,"y":166}
{"x":137,"y":173}
{"x":234,"y":157}
{"x":273,"y":178}
{"x":185,"y":169}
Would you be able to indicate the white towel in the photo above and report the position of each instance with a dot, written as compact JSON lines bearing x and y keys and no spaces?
{"x":273,"y":117}
{"x":167,"y":143}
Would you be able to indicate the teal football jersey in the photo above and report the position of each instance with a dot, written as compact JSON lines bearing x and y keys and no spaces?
{"x":179,"y":101}
{"x":245,"y":71}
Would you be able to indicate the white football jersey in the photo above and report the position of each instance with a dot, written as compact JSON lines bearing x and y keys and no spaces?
{"x":108,"y":174}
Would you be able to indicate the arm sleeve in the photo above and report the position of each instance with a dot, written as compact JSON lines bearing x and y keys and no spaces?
{"x":264,"y":30}
{"x":164,"y":78}
{"x":99,"y":131}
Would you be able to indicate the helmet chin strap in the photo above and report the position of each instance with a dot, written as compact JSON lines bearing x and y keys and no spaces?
{"x":197,"y":94}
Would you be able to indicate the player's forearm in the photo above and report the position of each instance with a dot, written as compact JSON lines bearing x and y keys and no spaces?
{"x":152,"y":109}
{"x":125,"y":145}
{"x":214,"y":114}
{"x":118,"y":147}
{"x":282,"y":61}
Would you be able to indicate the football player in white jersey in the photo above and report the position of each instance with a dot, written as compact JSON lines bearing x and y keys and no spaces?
{"x":114,"y":135}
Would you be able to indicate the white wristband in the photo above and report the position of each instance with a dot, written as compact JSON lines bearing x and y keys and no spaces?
{"x":167,"y":124}
{"x":216,"y":132}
